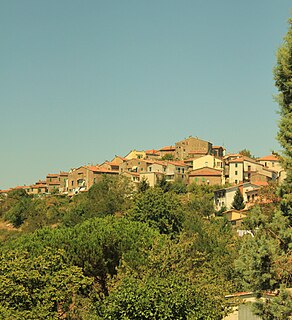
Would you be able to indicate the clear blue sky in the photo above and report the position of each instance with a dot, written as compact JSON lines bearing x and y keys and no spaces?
{"x":83,"y":80}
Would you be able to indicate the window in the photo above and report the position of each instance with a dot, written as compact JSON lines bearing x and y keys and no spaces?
{"x":235,"y":181}
{"x":236,"y":164}
{"x":236,"y":173}
{"x":150,"y":169}
{"x":183,"y":170}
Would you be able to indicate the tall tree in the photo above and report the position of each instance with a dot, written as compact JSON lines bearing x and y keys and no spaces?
{"x":283,"y":81}
{"x":238,"y":201}
{"x":265,"y":259}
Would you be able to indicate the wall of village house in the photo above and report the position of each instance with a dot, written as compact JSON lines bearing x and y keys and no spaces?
{"x":235,"y":172}
{"x":210,"y":180}
{"x":182,"y":148}
{"x":76,"y":176}
{"x":208,"y":161}
{"x":151,"y":177}
{"x":273,"y":165}
{"x":136,"y":165}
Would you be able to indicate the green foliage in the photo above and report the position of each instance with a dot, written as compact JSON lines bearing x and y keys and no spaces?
{"x":109,"y":196}
{"x":282,"y":76}
{"x":201,"y":199}
{"x":168,"y":157}
{"x":163,"y":184}
{"x":16,"y":207}
{"x":279,"y":307}
{"x":168,"y":298}
{"x":143,"y":185}
{"x":40,"y":287}
{"x":159,"y":210}
{"x":246,"y":153}
{"x":238,"y":202}
{"x":178,"y":186}
{"x":97,"y":245}
{"x":264,"y":261}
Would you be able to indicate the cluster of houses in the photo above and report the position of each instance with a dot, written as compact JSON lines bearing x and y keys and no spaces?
{"x":191,"y":160}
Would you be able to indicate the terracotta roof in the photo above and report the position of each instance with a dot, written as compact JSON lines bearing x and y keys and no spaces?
{"x":167,"y":148}
{"x":197,"y":152}
{"x":153,"y":151}
{"x":178,"y":163}
{"x":260,"y":183}
{"x":35,"y":186}
{"x":5,"y":191}
{"x":236,"y":160}
{"x":53,"y":175}
{"x":99,"y":169}
{"x":218,"y":147}
{"x":205,"y":172}
{"x":271,"y":157}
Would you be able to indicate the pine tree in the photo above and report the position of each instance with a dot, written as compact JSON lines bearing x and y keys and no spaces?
{"x":283,"y":81}
{"x":238,"y":202}
{"x":265,"y":259}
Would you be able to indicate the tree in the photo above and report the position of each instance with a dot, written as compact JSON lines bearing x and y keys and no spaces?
{"x":44,"y":286}
{"x":282,"y":76}
{"x":109,"y":196}
{"x":246,"y":153}
{"x":168,"y":157}
{"x":159,"y":209}
{"x":16,"y":207}
{"x":238,"y":201}
{"x":143,"y":185}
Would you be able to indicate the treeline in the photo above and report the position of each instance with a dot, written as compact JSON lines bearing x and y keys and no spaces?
{"x":158,"y":253}
{"x":114,"y":254}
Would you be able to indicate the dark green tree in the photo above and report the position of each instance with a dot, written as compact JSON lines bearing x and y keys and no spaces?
{"x":159,"y":209}
{"x":109,"y":196}
{"x":238,"y":201}
{"x":163,"y":184}
{"x":246,"y":153}
{"x":168,"y":157}
{"x":283,"y":76}
{"x":143,"y":185}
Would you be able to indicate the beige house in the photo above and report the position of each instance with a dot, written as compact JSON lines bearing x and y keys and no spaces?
{"x":223,"y":198}
{"x":39,"y":188}
{"x":206,"y":175}
{"x":271,"y":161}
{"x":135,"y":165}
{"x":152,"y":154}
{"x":152,"y":178}
{"x":209,"y":161}
{"x":167,"y":150}
{"x":191,"y":146}
{"x":82,"y":178}
{"x":243,"y":310}
{"x":134,"y":177}
{"x":134,"y":154}
{"x":241,"y":169}
{"x":235,"y":217}
{"x":57,"y":182}
{"x":114,"y":164}
{"x":176,"y":170}
{"x":218,"y":151}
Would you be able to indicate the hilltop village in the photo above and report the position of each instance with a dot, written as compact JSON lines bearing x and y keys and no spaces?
{"x":191,"y":160}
